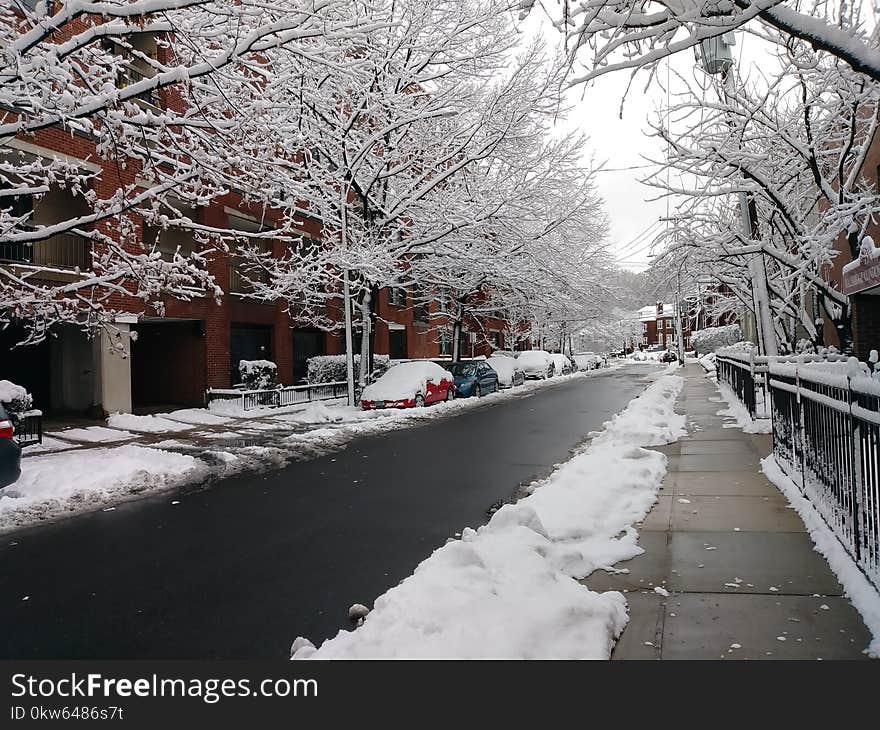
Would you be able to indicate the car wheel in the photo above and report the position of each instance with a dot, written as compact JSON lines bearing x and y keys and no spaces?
{"x":450,"y":394}
{"x":420,"y":400}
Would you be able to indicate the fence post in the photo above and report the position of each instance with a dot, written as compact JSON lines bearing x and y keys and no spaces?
{"x":801,"y":431}
{"x":856,"y":482}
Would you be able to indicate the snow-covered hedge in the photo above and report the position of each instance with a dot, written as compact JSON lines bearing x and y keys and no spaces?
{"x":14,"y":398}
{"x":711,"y":338}
{"x":331,"y":368}
{"x":258,"y":374}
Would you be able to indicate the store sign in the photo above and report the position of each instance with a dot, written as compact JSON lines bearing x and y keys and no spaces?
{"x":861,"y":274}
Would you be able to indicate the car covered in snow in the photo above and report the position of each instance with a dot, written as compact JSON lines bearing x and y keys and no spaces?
{"x":474,"y":377}
{"x":588,"y":361}
{"x":510,"y":374}
{"x":536,"y":364}
{"x":409,"y":384}
{"x":10,"y":451}
{"x":561,"y":364}
{"x":668,"y":356}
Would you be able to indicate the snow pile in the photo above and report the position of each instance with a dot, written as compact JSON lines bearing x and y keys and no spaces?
{"x":145,"y":424}
{"x":509,"y":588}
{"x":710,"y":339}
{"x":91,"y":478}
{"x":93,"y":434}
{"x":738,"y":412}
{"x":405,"y":380}
{"x":258,"y":374}
{"x":856,"y":586}
{"x":708,"y":363}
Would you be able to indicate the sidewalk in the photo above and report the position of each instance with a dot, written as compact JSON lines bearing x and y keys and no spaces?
{"x":742,"y":578}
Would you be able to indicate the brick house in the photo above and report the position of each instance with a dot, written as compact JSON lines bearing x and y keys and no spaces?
{"x":658,"y":326}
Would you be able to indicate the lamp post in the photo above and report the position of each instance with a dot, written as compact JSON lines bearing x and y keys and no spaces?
{"x":717,"y":58}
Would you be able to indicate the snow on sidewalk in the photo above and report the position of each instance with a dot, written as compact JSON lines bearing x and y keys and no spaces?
{"x":78,"y":481}
{"x":509,"y":589}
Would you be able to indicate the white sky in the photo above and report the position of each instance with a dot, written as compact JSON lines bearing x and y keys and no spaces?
{"x":623,"y":142}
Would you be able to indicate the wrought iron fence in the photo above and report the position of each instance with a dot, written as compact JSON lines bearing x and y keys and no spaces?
{"x":279,"y":397}
{"x":737,"y":371}
{"x":826,"y":438}
{"x":29,"y":428}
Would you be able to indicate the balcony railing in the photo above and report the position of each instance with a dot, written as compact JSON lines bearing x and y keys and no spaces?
{"x":132,"y":75}
{"x":61,"y":251}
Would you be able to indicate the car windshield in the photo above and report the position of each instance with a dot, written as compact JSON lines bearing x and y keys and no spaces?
{"x":463,"y":368}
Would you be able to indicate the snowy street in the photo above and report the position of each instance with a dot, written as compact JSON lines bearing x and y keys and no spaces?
{"x":241,"y":568}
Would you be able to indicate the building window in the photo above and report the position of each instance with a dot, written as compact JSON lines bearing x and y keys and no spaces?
{"x":420,"y":307}
{"x":396,"y":296}
{"x":495,"y":339}
{"x":445,"y":342}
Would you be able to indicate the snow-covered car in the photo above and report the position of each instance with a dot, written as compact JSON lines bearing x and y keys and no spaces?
{"x":409,"y":384}
{"x":10,"y":451}
{"x":668,"y":356}
{"x":587,"y":361}
{"x":536,"y":364}
{"x":561,"y":364}
{"x":510,"y":374}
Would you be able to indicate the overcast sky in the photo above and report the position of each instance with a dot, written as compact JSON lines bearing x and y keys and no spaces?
{"x":621,"y":142}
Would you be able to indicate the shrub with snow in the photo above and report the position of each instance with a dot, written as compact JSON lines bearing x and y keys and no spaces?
{"x":14,"y":398}
{"x":711,"y":338}
{"x":331,"y":368}
{"x":258,"y":374}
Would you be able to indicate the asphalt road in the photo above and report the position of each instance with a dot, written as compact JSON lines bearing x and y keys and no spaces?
{"x":242,"y":568}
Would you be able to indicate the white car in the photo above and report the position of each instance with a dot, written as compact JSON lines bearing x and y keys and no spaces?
{"x":536,"y":364}
{"x":509,"y":372}
{"x":587,"y":361}
{"x":561,"y":364}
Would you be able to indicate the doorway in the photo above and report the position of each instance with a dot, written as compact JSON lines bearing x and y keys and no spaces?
{"x":306,"y":343}
{"x":397,"y":344}
{"x":248,"y":342}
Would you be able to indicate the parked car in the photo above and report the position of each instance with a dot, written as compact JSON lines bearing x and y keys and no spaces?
{"x":536,"y":364}
{"x":510,"y":374}
{"x":587,"y":361}
{"x":561,"y":364}
{"x":474,"y":377}
{"x":668,"y":356}
{"x":410,"y":384}
{"x":10,"y":451}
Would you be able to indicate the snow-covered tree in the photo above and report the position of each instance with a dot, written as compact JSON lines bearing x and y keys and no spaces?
{"x":120,"y":78}
{"x":612,"y":35}
{"x":793,"y":145}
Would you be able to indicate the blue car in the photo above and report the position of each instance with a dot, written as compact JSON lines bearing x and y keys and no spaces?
{"x":474,"y":377}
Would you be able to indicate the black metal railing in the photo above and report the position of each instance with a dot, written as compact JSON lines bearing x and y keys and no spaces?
{"x":280,"y":397}
{"x":738,"y":373}
{"x":29,"y":428}
{"x":826,"y":438}
{"x":62,"y":251}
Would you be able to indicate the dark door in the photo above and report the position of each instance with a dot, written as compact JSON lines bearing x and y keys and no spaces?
{"x":306,"y":344}
{"x":248,"y":342}
{"x":397,"y":344}
{"x":26,"y":365}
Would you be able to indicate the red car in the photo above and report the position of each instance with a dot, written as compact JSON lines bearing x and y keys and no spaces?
{"x":408,"y":385}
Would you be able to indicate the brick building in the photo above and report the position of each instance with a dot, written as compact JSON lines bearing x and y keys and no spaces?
{"x":658,"y":326}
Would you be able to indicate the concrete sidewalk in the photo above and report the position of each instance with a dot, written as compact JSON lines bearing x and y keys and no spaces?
{"x":743,"y":579}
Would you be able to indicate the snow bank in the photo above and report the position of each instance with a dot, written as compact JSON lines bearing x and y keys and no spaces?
{"x":738,"y":412}
{"x":91,"y":478}
{"x":856,"y":586}
{"x":145,"y":424}
{"x":509,"y":589}
{"x":93,"y":434}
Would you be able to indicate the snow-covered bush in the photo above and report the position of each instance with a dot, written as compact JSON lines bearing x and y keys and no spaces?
{"x":331,"y":368}
{"x":15,"y":398}
{"x":258,"y":374}
{"x":711,"y":338}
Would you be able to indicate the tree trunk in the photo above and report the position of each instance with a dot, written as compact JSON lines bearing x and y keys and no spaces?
{"x":456,"y":332}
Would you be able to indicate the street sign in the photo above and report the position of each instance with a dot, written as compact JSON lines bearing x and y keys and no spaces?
{"x":863,"y":273}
